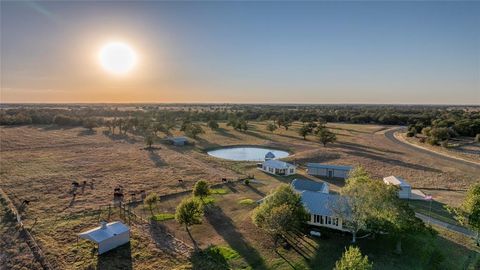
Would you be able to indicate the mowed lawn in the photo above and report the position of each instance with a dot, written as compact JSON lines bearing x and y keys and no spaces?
{"x":40,"y":163}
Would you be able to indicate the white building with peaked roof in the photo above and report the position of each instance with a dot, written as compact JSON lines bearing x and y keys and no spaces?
{"x":326,"y":210}
{"x":278,"y":167}
{"x":404,"y":188}
{"x":108,"y":235}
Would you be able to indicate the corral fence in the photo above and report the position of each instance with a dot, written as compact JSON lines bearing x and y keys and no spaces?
{"x":25,"y":234}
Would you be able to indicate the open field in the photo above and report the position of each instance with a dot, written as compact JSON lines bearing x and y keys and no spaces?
{"x":39,"y":164}
{"x":464,"y":147}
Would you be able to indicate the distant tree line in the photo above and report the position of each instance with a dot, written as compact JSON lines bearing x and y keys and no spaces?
{"x":462,"y":121}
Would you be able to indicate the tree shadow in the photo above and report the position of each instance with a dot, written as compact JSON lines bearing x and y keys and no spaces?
{"x":207,"y":259}
{"x":231,"y":186}
{"x":119,"y":137}
{"x":318,"y":157}
{"x":393,"y":161}
{"x":118,"y":258}
{"x":225,"y":133}
{"x":155,"y":157}
{"x":224,"y":226}
{"x":165,"y":241}
{"x":254,"y":189}
{"x":254,"y":134}
{"x":359,"y":147}
{"x":86,"y":132}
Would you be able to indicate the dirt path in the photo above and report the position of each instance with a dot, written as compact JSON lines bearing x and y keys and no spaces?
{"x":390,"y":134}
{"x":445,"y":225}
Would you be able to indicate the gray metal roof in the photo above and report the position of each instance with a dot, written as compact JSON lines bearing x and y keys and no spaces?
{"x":328,"y":166}
{"x":107,"y":231}
{"x":396,"y":181}
{"x":324,"y":204}
{"x":277,"y":164}
{"x":269,"y":155}
{"x":306,"y":184}
{"x":178,"y":139}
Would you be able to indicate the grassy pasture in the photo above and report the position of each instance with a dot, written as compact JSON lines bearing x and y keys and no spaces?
{"x":39,"y":164}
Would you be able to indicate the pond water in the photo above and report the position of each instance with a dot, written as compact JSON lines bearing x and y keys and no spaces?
{"x":246,"y":153}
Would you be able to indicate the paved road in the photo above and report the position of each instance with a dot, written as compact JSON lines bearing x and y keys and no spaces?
{"x":390,"y":135}
{"x":445,"y":225}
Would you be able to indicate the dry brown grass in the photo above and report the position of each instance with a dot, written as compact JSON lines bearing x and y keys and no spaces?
{"x":39,"y":164}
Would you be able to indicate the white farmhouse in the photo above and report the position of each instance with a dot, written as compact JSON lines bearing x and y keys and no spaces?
{"x":324,"y":208}
{"x":327,"y":170}
{"x":405,"y":189}
{"x":108,"y":235}
{"x":278,"y":167}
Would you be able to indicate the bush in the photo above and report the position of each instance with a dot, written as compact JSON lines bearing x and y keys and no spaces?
{"x":410,"y":134}
{"x":477,"y":138}
{"x":246,"y":182}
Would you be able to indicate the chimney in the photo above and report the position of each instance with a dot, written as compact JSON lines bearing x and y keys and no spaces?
{"x":103,"y":225}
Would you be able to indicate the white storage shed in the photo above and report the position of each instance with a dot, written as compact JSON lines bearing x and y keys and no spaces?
{"x":405,"y":189}
{"x":108,"y":235}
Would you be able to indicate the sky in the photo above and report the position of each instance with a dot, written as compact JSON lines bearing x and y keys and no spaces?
{"x":243,"y":52}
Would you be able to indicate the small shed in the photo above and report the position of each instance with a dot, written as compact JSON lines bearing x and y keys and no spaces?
{"x":178,"y":141}
{"x":108,"y":235}
{"x":278,"y":167}
{"x":327,"y":170}
{"x":405,"y":189}
{"x":269,"y":156}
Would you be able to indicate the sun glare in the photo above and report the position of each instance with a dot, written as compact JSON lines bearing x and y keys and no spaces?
{"x":117,"y":58}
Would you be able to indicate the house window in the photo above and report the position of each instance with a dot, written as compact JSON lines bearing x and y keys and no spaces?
{"x":321,"y":219}
{"x":329,"y":220}
{"x":291,"y":170}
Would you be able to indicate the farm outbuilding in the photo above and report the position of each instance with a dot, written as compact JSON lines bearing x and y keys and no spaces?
{"x":327,"y":170}
{"x":108,"y":235}
{"x":269,"y":156}
{"x":405,"y":189}
{"x":178,"y":141}
{"x":278,"y":167}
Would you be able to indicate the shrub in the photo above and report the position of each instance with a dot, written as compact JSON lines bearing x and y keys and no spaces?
{"x":246,"y":182}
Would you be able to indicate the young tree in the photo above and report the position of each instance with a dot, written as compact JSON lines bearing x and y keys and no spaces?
{"x":468,"y":214}
{"x":193,"y":130}
{"x":213,"y":125}
{"x":201,"y":189}
{"x":189,"y":212}
{"x":352,"y":259}
{"x":304,"y":131}
{"x":363,"y":202}
{"x":151,"y":200}
{"x":158,"y":127}
{"x":149,"y":139}
{"x":325,"y":136}
{"x":281,"y":211}
{"x":90,"y":123}
{"x":271,"y":127}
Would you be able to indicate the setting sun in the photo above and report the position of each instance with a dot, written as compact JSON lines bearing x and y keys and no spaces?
{"x":117,"y":58}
